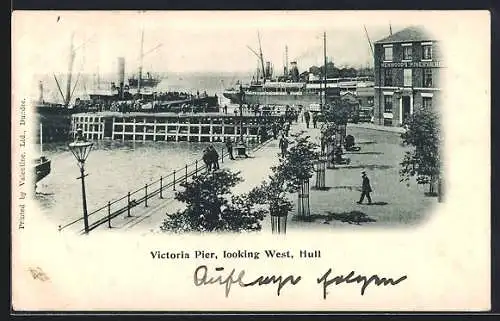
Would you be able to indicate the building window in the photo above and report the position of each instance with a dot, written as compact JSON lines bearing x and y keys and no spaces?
{"x":387,"y":77}
{"x":387,"y":53}
{"x":407,"y":53}
{"x":427,"y":52}
{"x":427,"y":102}
{"x":387,"y":104}
{"x":407,"y":77}
{"x":427,"y":77}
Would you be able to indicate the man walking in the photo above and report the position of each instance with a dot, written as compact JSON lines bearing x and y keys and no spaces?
{"x":286,"y":129}
{"x":307,"y":117}
{"x":283,"y":144}
{"x":214,"y":157}
{"x":366,"y":189}
{"x":315,"y":119}
{"x":229,"y":146}
{"x":206,"y":159}
{"x":274,"y":128}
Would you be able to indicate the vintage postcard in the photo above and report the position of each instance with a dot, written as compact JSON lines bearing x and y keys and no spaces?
{"x":250,"y":161}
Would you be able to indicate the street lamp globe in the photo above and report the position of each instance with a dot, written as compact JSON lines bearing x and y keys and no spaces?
{"x":80,"y":148}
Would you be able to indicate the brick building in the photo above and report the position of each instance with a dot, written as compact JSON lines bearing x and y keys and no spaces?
{"x":407,"y":69}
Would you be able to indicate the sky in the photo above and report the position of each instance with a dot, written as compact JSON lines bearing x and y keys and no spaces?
{"x":196,"y":41}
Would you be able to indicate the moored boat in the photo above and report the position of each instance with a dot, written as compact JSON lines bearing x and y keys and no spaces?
{"x":41,"y":164}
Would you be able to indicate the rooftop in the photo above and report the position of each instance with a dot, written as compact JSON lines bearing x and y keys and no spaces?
{"x":413,"y":33}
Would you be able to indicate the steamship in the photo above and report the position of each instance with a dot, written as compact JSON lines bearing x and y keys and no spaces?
{"x":140,"y":91}
{"x":293,"y":89}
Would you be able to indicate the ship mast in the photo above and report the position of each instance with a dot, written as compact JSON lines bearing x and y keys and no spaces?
{"x":140,"y":66}
{"x":368,"y":38}
{"x":261,"y":60}
{"x":324,"y":54}
{"x":70,"y":69}
{"x":98,"y":78}
{"x":41,"y":138}
{"x":286,"y":61}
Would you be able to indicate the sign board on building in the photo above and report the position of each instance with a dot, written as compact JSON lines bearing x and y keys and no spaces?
{"x":412,"y":64}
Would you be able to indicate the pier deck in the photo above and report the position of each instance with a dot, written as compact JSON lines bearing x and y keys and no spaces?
{"x":191,"y":127}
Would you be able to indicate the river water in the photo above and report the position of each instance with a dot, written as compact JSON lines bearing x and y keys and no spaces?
{"x":113,"y":167}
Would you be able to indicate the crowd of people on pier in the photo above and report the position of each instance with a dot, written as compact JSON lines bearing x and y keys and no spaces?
{"x":146,"y":101}
{"x":264,"y":110}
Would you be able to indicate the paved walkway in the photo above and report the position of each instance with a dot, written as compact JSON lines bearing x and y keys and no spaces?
{"x":377,"y":127}
{"x":395,"y":203}
{"x":144,"y":220}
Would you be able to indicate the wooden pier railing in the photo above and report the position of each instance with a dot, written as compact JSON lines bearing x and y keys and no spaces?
{"x":124,"y":205}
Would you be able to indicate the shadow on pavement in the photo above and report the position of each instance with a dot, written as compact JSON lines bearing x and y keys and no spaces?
{"x":370,"y":167}
{"x":351,"y":188}
{"x":378,"y":203}
{"x":365,"y":153}
{"x":352,"y":217}
{"x":326,"y":188}
{"x":365,"y":143}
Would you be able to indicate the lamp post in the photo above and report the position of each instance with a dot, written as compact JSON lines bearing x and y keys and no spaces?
{"x":81,"y":149}
{"x":321,"y":165}
{"x":342,"y":131}
{"x":241,"y":146}
{"x":241,"y":114}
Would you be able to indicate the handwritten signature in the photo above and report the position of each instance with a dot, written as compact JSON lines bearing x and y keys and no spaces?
{"x":202,"y":277}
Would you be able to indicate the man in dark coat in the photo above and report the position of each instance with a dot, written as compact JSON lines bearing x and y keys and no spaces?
{"x":206,"y":159}
{"x":214,"y":157}
{"x":315,"y":119}
{"x":307,"y":117}
{"x":283,"y":144}
{"x":286,"y":129}
{"x":274,"y":128}
{"x":229,"y":146}
{"x":366,"y":189}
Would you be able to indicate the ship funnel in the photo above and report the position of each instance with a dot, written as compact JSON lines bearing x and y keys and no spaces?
{"x":294,"y":71}
{"x":40,"y":88}
{"x":121,"y":74}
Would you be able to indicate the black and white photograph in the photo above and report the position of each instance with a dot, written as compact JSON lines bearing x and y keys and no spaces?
{"x":290,"y":148}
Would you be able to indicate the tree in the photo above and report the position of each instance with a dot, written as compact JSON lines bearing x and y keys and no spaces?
{"x":298,"y":162}
{"x":209,"y":207}
{"x":272,"y":194}
{"x":296,"y":168}
{"x":290,"y":176}
{"x":423,"y":160}
{"x":328,"y":134}
{"x":338,"y":112}
{"x":314,"y":70}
